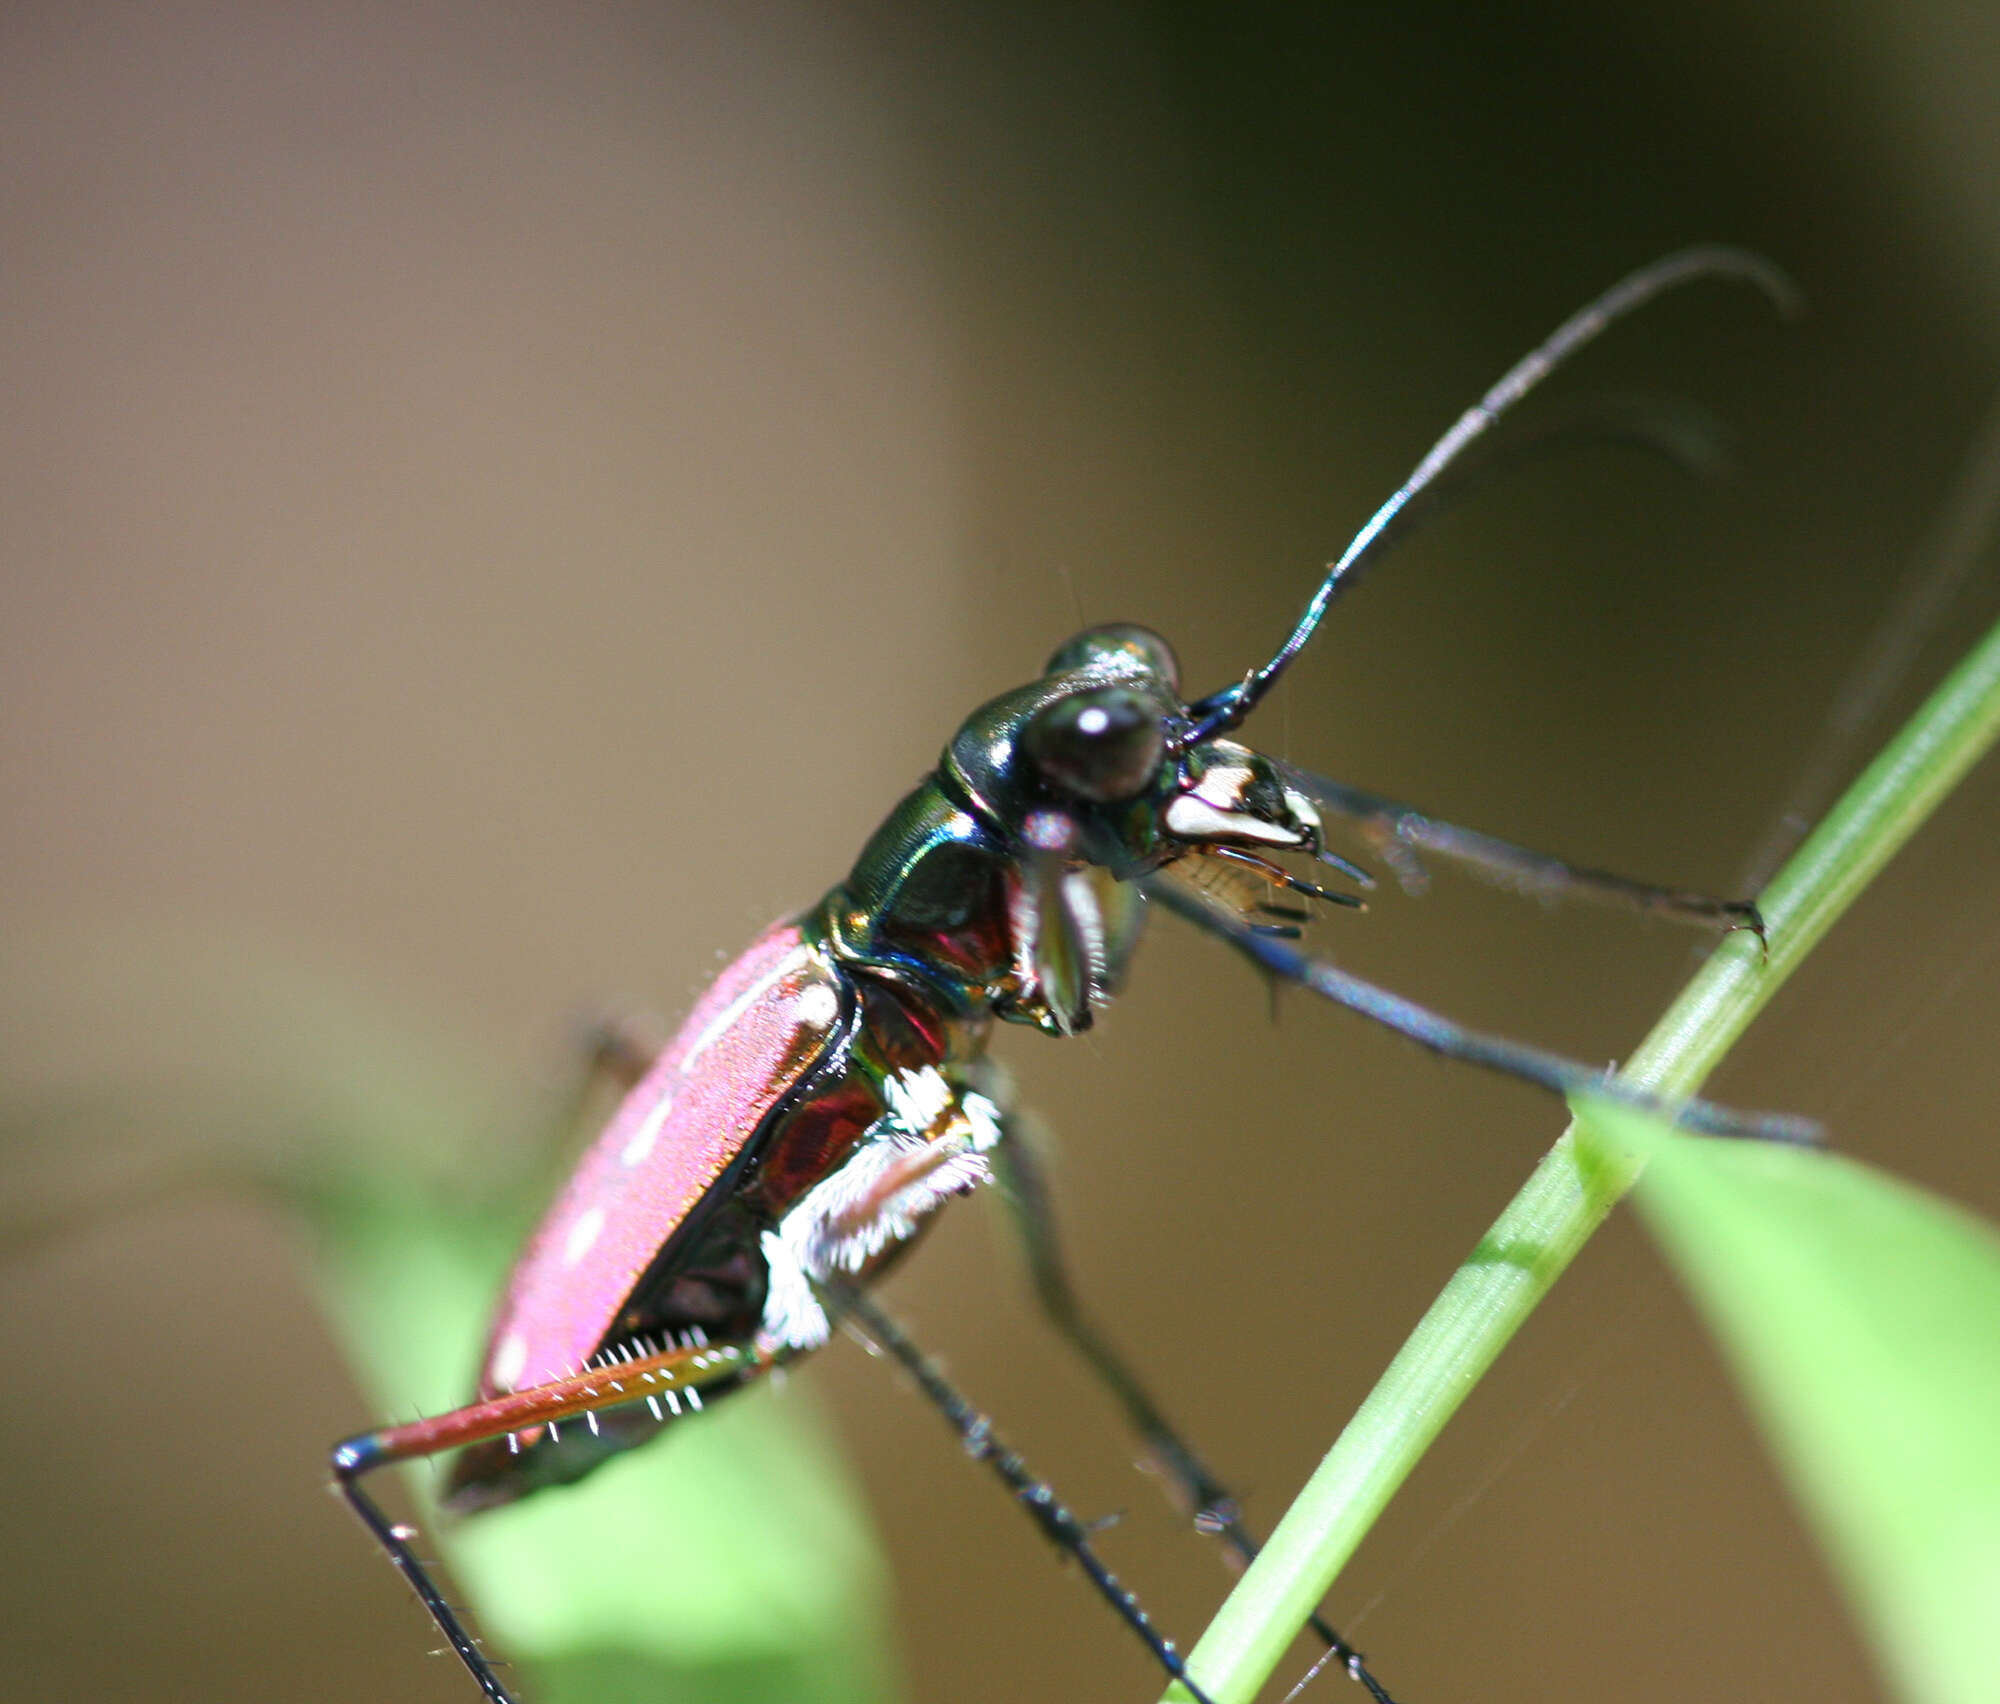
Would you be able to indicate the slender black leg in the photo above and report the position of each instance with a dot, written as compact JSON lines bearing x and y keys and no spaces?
{"x":1441,"y":1035}
{"x":1399,"y":832}
{"x":349,"y":1463}
{"x":1025,"y":1189}
{"x":1048,"y":1511}
{"x":615,"y":1050}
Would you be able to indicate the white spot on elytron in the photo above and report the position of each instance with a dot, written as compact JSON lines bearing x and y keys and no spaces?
{"x":738,"y":1006}
{"x":583,"y":1236}
{"x":818,"y":1006}
{"x":510,"y":1361}
{"x":648,"y":1133}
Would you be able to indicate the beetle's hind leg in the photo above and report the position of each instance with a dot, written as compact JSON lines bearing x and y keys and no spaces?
{"x":394,"y":1538}
{"x":678,"y":1371}
{"x":611,"y":1054}
{"x":1024,"y":1187}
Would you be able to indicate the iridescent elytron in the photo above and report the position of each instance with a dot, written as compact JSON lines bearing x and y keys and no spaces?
{"x":832,"y":1089}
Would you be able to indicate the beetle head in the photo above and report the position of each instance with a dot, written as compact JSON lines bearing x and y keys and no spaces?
{"x":1100,"y":762}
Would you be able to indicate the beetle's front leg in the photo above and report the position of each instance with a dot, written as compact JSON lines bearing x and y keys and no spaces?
{"x":1442,"y":1035}
{"x":1399,"y":832}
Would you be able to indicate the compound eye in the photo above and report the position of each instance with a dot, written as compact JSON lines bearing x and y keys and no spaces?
{"x":1101,"y":745}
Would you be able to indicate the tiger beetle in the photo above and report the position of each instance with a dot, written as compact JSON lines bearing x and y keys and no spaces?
{"x":831,"y":1090}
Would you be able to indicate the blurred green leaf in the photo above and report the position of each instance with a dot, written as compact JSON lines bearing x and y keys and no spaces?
{"x":1862,"y":1317}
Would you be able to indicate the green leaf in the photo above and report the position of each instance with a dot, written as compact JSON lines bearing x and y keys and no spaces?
{"x":1862,"y":1317}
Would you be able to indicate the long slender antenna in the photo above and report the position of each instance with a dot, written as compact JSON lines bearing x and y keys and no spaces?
{"x":1225,"y":709}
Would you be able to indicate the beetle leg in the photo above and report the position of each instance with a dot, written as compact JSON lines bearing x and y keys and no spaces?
{"x":975,"y":1431}
{"x":672,"y":1371}
{"x":1024,"y":1186}
{"x":1399,"y":832}
{"x":1442,"y":1035}
{"x":617,"y":1050}
{"x":609,"y":1054}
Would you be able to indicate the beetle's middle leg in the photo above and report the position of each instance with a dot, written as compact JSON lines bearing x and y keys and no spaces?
{"x":975,"y":1431}
{"x":1400,"y":832}
{"x":1453,"y":1040}
{"x":1024,"y":1187}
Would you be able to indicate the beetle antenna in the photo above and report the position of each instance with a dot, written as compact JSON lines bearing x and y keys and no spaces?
{"x":1223,"y":710}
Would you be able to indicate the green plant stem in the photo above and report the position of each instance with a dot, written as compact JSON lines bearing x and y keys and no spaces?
{"x":1575,"y":1187}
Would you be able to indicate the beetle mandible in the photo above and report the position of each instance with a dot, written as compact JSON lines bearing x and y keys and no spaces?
{"x":831,"y":1090}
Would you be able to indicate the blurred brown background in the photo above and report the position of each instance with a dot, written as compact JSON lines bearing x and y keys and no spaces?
{"x":496,"y":501}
